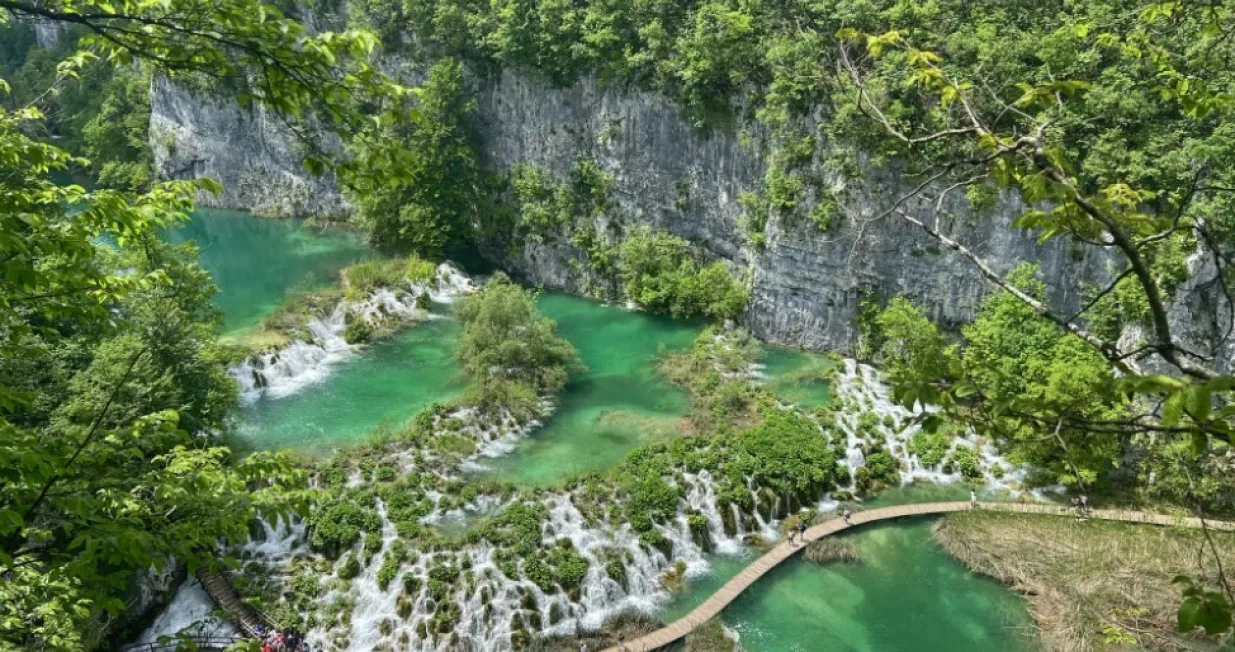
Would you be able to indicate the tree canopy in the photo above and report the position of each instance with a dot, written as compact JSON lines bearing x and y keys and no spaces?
{"x":112,"y":382}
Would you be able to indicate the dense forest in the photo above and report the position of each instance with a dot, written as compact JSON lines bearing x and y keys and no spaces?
{"x":1103,"y":124}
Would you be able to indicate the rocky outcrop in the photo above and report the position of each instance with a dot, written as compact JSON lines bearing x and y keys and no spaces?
{"x":806,"y":284}
{"x":249,"y":151}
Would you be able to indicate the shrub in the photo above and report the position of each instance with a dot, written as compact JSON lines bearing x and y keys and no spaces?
{"x":338,"y":526}
{"x":419,"y":270}
{"x":930,"y":447}
{"x":506,"y":340}
{"x":349,"y":567}
{"x":363,"y":278}
{"x":660,"y":274}
{"x":356,"y":329}
{"x":967,"y":461}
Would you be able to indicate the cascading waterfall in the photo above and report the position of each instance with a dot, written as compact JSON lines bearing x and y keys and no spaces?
{"x":489,"y":601}
{"x":189,"y":612}
{"x":702,"y":498}
{"x":285,"y":371}
{"x":859,"y":384}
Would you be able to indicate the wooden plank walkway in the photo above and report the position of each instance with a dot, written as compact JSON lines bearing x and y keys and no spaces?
{"x":734,"y":587}
{"x":244,"y":616}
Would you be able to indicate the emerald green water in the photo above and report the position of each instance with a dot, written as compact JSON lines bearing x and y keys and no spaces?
{"x":257,"y":262}
{"x":797,"y":376}
{"x":618,"y":404}
{"x":906,"y":594}
{"x":386,"y":383}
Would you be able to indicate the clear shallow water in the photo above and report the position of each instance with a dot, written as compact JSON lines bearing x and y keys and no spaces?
{"x":257,"y":262}
{"x":908,"y":594}
{"x":618,"y":404}
{"x":388,"y":382}
{"x":797,"y":376}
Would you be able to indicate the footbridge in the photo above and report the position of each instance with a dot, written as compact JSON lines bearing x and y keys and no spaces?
{"x":712,"y":607}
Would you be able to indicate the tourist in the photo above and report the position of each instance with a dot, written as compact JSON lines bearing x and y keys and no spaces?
{"x":845,"y":516}
{"x":801,"y":532}
{"x":973,"y":498}
{"x":1084,"y":504}
{"x":583,"y":647}
{"x":621,"y":643}
{"x":792,"y":532}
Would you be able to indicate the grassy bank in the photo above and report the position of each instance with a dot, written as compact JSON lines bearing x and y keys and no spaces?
{"x":1090,"y":585}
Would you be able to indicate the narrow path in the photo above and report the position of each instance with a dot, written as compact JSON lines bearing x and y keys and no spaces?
{"x":245,"y":617}
{"x":733,"y":588}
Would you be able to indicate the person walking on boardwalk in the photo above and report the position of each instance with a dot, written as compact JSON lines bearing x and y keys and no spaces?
{"x":793,"y":532}
{"x":973,"y":499}
{"x":801,"y":532}
{"x":845,"y":516}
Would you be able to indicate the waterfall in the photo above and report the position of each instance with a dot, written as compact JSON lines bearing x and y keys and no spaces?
{"x":738,"y":522}
{"x":859,"y":384}
{"x":285,"y":371}
{"x":702,"y":498}
{"x":189,"y":612}
{"x":769,"y":529}
{"x":301,"y":363}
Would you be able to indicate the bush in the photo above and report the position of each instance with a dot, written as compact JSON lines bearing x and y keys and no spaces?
{"x":967,"y":461}
{"x":356,"y":330}
{"x":420,"y":270}
{"x":506,"y":340}
{"x":930,"y":447}
{"x":363,"y":278}
{"x":349,"y":567}
{"x":659,"y":273}
{"x":337,"y":526}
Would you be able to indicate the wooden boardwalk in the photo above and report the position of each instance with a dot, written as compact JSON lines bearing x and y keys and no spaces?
{"x":734,"y":587}
{"x":241,"y":614}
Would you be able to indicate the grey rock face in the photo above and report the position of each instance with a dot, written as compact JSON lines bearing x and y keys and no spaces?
{"x":806,"y":284}
{"x":251,"y":152}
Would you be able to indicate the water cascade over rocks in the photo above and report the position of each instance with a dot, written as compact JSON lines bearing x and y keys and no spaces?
{"x":284,"y":371}
{"x":471,"y":594}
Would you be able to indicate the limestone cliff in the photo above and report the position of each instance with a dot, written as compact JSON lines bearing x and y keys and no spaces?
{"x":249,"y":151}
{"x":806,"y":284}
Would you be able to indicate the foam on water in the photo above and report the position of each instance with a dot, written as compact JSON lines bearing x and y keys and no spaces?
{"x":287,"y":370}
{"x":189,"y":612}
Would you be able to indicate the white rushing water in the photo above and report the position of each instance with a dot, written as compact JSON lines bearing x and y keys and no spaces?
{"x":287,"y":370}
{"x":859,"y":384}
{"x":489,"y":602}
{"x":189,"y":612}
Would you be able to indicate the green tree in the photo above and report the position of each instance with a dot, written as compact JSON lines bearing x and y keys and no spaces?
{"x":660,"y":273}
{"x":416,"y":180}
{"x":1115,"y":132}
{"x":512,"y":354}
{"x":111,"y":379}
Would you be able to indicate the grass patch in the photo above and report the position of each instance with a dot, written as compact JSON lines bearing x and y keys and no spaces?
{"x":362,"y":279}
{"x":1090,"y":584}
{"x":628,"y":626}
{"x":709,"y":637}
{"x":830,"y":549}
